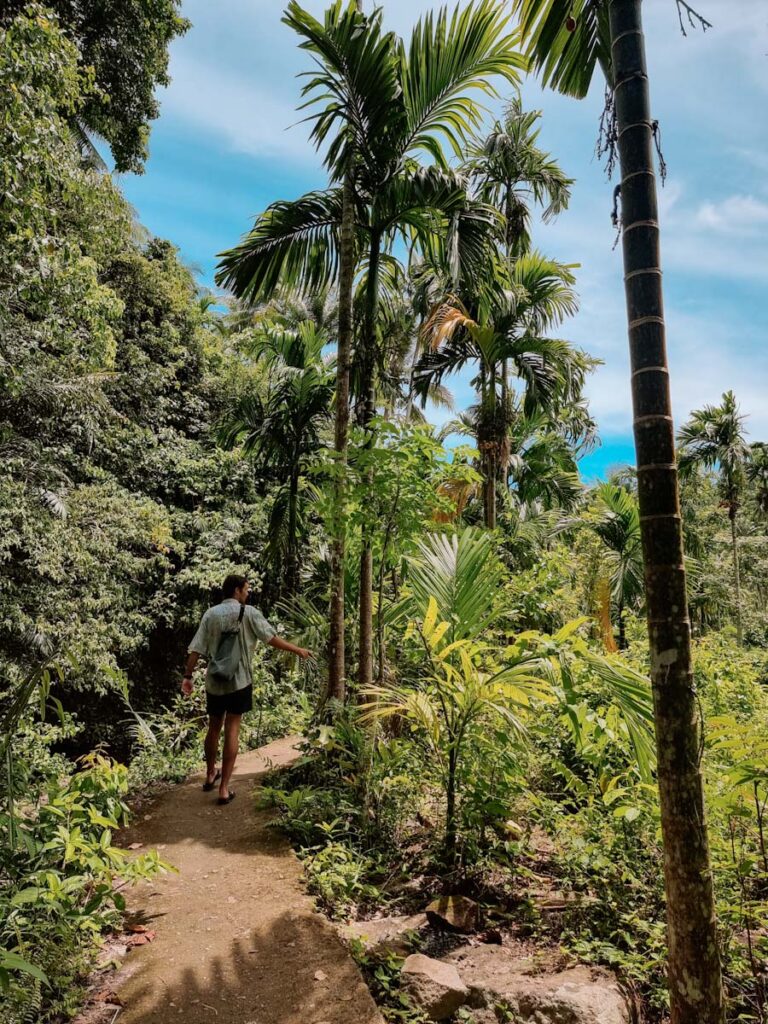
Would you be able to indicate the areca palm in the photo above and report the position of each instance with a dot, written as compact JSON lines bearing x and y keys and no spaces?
{"x":542,"y":463}
{"x":282,"y":428}
{"x":508,"y":324}
{"x":616,"y":521}
{"x":539,"y":458}
{"x":380,"y":103}
{"x":757,"y":473}
{"x":713,"y":438}
{"x":567,"y":40}
{"x":454,"y":585}
{"x":509,"y":171}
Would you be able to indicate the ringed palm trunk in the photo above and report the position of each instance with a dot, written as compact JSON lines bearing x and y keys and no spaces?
{"x":293,"y":540}
{"x":336,"y":662}
{"x":736,"y":571}
{"x":695,"y":982}
{"x":365,"y":662}
{"x":492,"y":451}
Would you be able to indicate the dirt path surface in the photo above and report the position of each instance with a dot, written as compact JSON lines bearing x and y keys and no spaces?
{"x":237,"y":940}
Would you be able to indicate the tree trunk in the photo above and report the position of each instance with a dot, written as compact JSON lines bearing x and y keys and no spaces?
{"x":365,"y":660}
{"x":622,"y":628}
{"x":450,"y":811}
{"x":293,"y":541}
{"x":736,"y":572}
{"x":492,"y":451}
{"x":695,"y":981}
{"x":336,"y":661}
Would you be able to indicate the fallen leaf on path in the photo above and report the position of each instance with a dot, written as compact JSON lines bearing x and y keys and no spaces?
{"x":142,"y":938}
{"x":320,"y":976}
{"x":135,"y":846}
{"x":137,"y":928}
{"x":107,"y":995}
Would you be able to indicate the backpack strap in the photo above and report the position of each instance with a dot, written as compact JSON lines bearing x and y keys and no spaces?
{"x":240,"y":616}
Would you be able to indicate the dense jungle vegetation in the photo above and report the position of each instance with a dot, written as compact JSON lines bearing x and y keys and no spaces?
{"x":480,"y":716}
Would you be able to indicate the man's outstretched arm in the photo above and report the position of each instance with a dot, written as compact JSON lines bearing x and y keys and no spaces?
{"x":285,"y":645}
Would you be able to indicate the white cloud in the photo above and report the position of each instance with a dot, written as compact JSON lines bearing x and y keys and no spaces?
{"x":234,"y":89}
{"x":734,"y":215}
{"x":248,"y":115}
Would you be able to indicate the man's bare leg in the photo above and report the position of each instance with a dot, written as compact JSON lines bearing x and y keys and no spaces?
{"x":231,"y":742}
{"x":215,"y":723}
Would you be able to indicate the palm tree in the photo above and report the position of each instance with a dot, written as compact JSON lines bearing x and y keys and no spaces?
{"x":282,"y":429}
{"x":453,"y":601}
{"x":508,"y":325}
{"x":387,"y":103}
{"x":616,"y":521}
{"x":540,"y":459}
{"x":508,"y":171}
{"x":714,"y":437}
{"x":567,"y":39}
{"x":757,"y":474}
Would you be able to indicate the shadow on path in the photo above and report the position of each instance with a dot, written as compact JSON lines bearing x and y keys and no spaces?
{"x":237,"y":939}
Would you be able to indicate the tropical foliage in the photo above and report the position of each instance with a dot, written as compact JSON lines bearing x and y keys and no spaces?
{"x":495,"y":733}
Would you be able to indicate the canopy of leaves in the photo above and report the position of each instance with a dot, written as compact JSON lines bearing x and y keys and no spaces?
{"x":124,"y":43}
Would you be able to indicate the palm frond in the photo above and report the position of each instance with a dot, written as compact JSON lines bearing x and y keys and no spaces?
{"x":292,"y":245}
{"x":566,"y":39}
{"x":448,"y":58}
{"x":462,"y":574}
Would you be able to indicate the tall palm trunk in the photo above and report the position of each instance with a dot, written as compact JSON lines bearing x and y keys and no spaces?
{"x":292,"y":573}
{"x":695,"y":982}
{"x":365,"y":662}
{"x":736,"y":571}
{"x":336,"y":661}
{"x":493,"y":448}
{"x":622,"y":627}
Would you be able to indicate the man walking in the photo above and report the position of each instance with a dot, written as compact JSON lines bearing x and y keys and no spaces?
{"x":228,"y":699}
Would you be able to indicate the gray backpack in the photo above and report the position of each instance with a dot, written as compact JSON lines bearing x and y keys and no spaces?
{"x":223,"y":665}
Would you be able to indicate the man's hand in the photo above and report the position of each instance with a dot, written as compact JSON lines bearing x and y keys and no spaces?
{"x":286,"y":645}
{"x":186,"y":685}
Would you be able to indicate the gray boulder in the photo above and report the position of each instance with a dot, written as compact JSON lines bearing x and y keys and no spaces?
{"x":385,"y":934}
{"x":578,"y":995}
{"x":433,"y":986}
{"x":454,"y":913}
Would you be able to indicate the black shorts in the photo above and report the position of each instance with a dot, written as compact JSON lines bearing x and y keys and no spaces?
{"x":236,"y":703}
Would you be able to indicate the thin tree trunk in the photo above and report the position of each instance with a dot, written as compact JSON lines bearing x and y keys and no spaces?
{"x":695,"y":981}
{"x":450,"y":811}
{"x":336,"y":661}
{"x":492,"y":452}
{"x":293,"y":544}
{"x":382,"y":573}
{"x":736,"y":573}
{"x":365,"y":660}
{"x":622,"y":628}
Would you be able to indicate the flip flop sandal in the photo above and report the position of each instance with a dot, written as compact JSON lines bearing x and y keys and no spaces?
{"x":225,"y":799}
{"x":208,"y":786}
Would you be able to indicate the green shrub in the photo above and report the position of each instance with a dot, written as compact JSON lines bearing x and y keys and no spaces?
{"x":61,"y":886}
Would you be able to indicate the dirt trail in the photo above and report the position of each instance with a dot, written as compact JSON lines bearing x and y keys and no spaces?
{"x":237,"y":940}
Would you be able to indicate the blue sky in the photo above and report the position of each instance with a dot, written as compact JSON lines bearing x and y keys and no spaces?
{"x":223,"y":149}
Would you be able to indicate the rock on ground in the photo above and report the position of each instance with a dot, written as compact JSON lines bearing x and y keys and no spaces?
{"x":433,"y":986}
{"x":578,"y":995}
{"x":386,"y":934}
{"x":456,"y":913}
